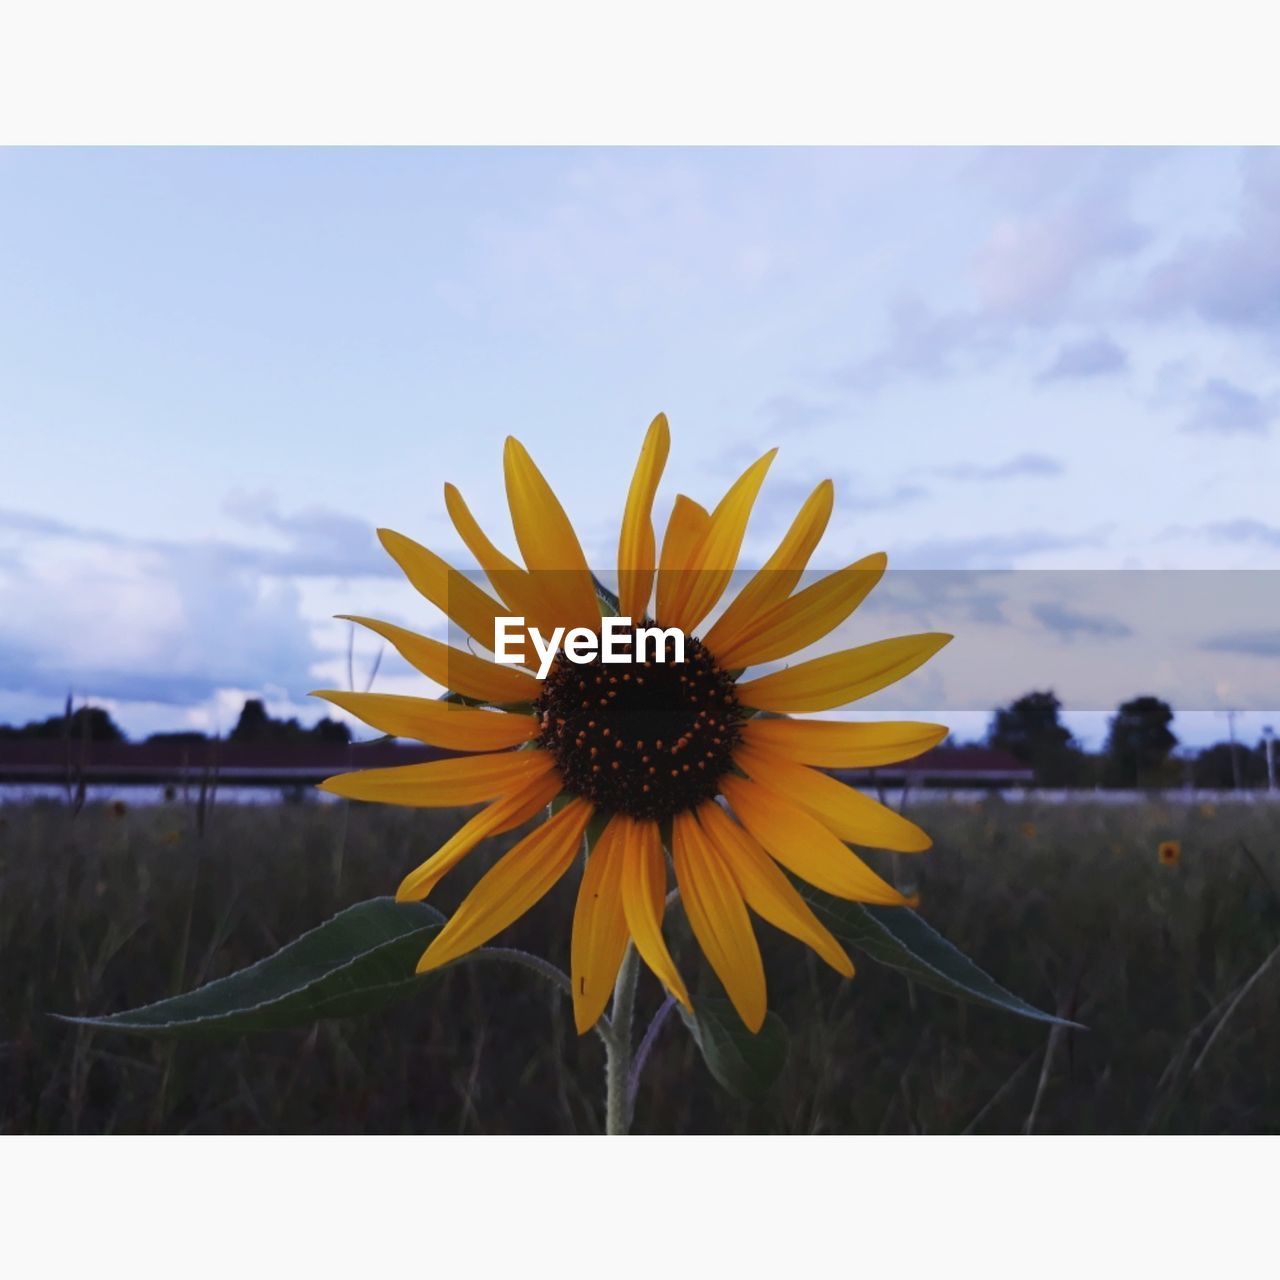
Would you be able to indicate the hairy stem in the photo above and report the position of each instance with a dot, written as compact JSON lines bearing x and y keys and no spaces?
{"x":617,"y":1070}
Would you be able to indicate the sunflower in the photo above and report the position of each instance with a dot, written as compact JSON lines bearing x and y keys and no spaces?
{"x":1169,"y":852}
{"x":679,"y":756}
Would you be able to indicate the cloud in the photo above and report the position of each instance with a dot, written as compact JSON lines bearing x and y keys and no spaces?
{"x":1028,"y":272}
{"x":1025,"y":177}
{"x":1030,"y":265}
{"x":1088,"y":358}
{"x":315,"y":536}
{"x":990,"y":551}
{"x":795,"y":413}
{"x":165,"y":627}
{"x":1259,"y":644}
{"x":149,"y":620}
{"x":924,"y":343}
{"x":899,"y":496}
{"x":1024,"y":464}
{"x":319,"y":542}
{"x":1223,"y":408}
{"x":1244,"y":530}
{"x":1231,"y":279}
{"x":1067,"y":622}
{"x":936,"y":597}
{"x":782,"y":496}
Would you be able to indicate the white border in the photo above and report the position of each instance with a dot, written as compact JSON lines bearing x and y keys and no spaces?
{"x":578,"y":71}
{"x":772,"y":1207}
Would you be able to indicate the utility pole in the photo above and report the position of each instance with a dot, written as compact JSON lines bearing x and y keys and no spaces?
{"x":1269,"y":738}
{"x":1235,"y":750}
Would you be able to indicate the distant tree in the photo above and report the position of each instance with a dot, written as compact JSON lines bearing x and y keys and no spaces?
{"x":92,"y":723}
{"x":1215,"y":769}
{"x":1139,"y":741}
{"x":255,"y":725}
{"x":330,"y":730}
{"x":179,"y":737}
{"x":1030,"y":729}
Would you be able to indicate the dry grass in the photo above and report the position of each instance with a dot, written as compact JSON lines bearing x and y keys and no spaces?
{"x":1068,"y":905}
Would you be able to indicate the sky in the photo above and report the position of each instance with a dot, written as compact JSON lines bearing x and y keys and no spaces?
{"x":221,"y":370}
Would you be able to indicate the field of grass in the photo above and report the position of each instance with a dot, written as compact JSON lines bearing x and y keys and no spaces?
{"x":1065,"y":904}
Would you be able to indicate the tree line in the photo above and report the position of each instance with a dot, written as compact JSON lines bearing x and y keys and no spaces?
{"x":255,"y":725}
{"x":1138,"y":751}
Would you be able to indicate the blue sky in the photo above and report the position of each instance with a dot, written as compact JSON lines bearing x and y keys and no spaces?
{"x":221,"y":369}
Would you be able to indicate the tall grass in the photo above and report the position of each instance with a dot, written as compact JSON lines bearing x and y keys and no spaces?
{"x":1067,"y":905}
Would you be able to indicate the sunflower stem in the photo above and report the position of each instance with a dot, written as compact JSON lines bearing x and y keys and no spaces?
{"x":617,"y":1070}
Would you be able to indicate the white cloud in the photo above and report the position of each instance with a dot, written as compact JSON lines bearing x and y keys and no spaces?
{"x":1230,"y":279}
{"x":1030,"y":266}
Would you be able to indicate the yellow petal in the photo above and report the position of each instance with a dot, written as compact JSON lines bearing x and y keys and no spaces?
{"x":837,"y":744}
{"x":713,"y":561}
{"x":512,"y":886}
{"x":440,"y":724}
{"x":774,"y":582}
{"x":831,"y":681}
{"x":644,"y":891}
{"x":804,"y":845}
{"x":636,"y":553}
{"x":718,"y":917}
{"x":599,"y":928}
{"x":686,"y":527}
{"x":477,"y":541}
{"x":451,"y":592}
{"x":845,"y":811}
{"x":807,"y":616}
{"x":502,"y":815}
{"x":768,"y":892}
{"x":455,"y":669}
{"x":547,"y":541}
{"x":443,"y":784}
{"x":522,"y":594}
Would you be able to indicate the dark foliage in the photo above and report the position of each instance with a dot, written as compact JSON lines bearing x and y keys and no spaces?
{"x":1066,"y":904}
{"x":1139,"y":741}
{"x":1030,"y":729}
{"x":256,"y":726}
{"x":91,"y":724}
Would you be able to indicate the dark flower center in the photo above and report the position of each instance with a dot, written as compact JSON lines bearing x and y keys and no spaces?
{"x":649,"y":739}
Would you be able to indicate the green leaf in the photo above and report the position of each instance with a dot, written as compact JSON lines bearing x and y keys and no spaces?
{"x":360,"y":961}
{"x":899,"y":938}
{"x":745,"y":1064}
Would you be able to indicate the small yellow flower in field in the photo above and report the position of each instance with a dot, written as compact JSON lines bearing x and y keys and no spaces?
{"x":650,"y":754}
{"x":173,"y":837}
{"x":1028,"y":829}
{"x":119,"y":808}
{"x":1169,"y":853}
{"x":1208,"y":810}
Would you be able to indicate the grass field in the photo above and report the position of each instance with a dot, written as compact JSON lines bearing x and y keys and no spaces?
{"x":1065,"y":904}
